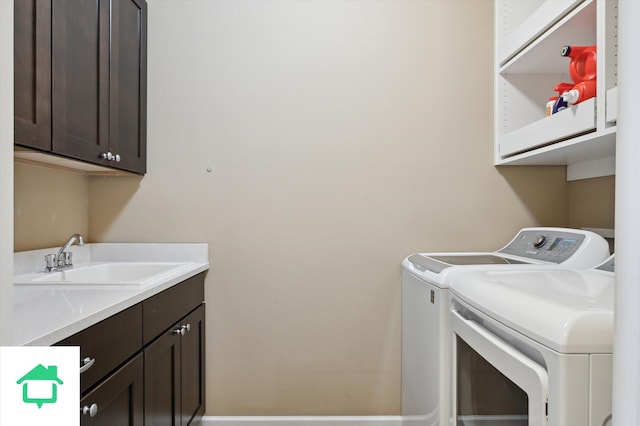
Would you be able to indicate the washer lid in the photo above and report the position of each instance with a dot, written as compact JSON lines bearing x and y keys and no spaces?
{"x":568,"y":311}
{"x":435,"y":262}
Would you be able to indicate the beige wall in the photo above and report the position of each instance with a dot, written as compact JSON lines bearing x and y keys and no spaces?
{"x":49,"y":206}
{"x":341,"y":136}
{"x":591,"y":203}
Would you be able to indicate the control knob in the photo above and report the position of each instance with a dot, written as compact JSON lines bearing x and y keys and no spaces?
{"x":539,"y":241}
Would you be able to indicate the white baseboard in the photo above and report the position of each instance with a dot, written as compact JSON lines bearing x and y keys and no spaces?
{"x":302,"y":421}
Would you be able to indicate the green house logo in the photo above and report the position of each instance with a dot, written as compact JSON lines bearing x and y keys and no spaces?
{"x":40,"y":385}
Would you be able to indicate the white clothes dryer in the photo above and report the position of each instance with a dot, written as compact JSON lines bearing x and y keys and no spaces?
{"x":426,"y":352}
{"x":532,"y":348}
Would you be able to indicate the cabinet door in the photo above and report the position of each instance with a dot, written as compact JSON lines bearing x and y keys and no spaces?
{"x":193,"y":366}
{"x":162,"y":380}
{"x":119,"y":398}
{"x":32,"y":73}
{"x":128,"y":84}
{"x":80,"y":75}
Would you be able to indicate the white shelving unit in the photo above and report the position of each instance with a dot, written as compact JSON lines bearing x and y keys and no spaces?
{"x":529,"y":35}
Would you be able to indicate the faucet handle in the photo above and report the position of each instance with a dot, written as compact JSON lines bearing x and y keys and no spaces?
{"x":68,"y":258}
{"x":51,"y":261}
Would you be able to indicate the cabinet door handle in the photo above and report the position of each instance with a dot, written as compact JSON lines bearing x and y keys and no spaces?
{"x":109,"y":156}
{"x":182,"y":330}
{"x":90,"y":410}
{"x":87,"y":363}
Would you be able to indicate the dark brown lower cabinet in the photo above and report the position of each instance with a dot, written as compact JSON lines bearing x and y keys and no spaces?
{"x":146,"y":365}
{"x":193,"y":367}
{"x":118,"y":400}
{"x":162,"y":380}
{"x":174,"y":374}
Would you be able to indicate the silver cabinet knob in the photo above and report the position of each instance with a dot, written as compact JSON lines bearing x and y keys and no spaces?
{"x":90,"y":410}
{"x":109,"y":156}
{"x":182,"y":330}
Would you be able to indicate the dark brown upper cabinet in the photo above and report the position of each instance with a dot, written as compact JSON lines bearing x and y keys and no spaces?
{"x":80,"y":80}
{"x":32,"y":73}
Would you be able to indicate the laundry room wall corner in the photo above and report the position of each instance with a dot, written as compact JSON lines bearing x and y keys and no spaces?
{"x":591,"y":203}
{"x":543,"y":191}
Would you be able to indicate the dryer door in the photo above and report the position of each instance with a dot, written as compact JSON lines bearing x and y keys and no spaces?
{"x":492,"y":382}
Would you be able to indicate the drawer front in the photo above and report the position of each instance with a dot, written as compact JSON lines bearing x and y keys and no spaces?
{"x":118,"y":400}
{"x":166,"y":308}
{"x":109,"y":342}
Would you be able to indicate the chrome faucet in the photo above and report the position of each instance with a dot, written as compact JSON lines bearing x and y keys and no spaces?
{"x":62,"y":260}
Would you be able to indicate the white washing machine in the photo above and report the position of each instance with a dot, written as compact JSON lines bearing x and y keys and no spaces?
{"x":426,"y":352}
{"x":532,"y":348}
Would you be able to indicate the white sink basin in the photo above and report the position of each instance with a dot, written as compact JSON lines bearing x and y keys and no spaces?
{"x":116,"y":273}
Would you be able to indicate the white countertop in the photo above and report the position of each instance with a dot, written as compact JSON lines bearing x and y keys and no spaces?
{"x":46,"y":314}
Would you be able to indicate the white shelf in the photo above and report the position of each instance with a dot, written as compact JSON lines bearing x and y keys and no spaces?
{"x":576,"y":120}
{"x":538,"y":17}
{"x":581,"y":149}
{"x":528,"y":65}
{"x":542,"y":55}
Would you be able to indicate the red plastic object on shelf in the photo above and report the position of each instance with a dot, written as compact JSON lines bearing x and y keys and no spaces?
{"x":563,"y":87}
{"x":559,"y":103}
{"x":580,"y":92}
{"x":582,"y":69}
{"x":583,"y":62}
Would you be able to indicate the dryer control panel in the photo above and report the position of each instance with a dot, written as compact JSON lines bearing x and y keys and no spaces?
{"x":545,"y":244}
